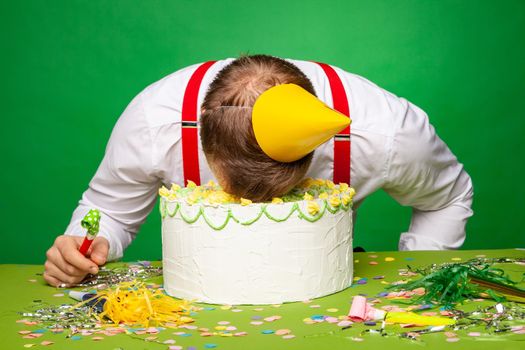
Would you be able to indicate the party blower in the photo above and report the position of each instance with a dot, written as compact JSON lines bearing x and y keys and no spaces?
{"x":91,"y":222}
{"x":360,"y":311}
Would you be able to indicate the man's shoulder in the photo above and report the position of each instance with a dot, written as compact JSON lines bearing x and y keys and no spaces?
{"x":162,"y":99}
{"x":373,"y":109}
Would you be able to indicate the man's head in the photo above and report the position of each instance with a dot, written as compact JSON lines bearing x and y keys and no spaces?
{"x":228,"y":140}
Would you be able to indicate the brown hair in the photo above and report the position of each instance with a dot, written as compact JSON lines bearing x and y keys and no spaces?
{"x":228,"y":141}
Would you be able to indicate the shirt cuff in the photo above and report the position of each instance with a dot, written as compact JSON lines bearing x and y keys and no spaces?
{"x":415,"y":241}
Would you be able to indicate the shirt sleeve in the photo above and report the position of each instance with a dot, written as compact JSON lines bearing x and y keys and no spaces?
{"x":124,"y":187}
{"x":423,"y":173}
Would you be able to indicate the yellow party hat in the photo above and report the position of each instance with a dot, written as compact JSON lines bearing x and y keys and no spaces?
{"x":289,"y":122}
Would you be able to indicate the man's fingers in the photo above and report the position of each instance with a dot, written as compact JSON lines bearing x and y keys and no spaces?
{"x":54,"y":274}
{"x":99,"y":250}
{"x":55,"y":257}
{"x":51,"y":280}
{"x":69,"y":251}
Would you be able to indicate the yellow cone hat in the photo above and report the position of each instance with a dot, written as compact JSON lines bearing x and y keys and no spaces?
{"x":289,"y":122}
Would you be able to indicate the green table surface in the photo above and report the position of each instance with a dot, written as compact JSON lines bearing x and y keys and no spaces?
{"x":22,"y":284}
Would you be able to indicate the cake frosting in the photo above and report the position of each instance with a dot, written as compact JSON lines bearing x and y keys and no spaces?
{"x":221,"y":249}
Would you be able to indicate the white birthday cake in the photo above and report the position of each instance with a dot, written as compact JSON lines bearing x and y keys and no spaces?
{"x":224,"y":250}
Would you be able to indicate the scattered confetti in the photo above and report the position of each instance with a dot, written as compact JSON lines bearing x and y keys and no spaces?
{"x":331,"y":319}
{"x":345,"y":323}
{"x":108,"y":277}
{"x":283,"y":331}
{"x":83,"y":327}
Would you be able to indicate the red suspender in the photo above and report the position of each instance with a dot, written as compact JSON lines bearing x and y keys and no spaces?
{"x":341,"y":140}
{"x":190,"y":137}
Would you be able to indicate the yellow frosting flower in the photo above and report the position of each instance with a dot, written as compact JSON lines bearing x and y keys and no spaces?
{"x":213,"y":200}
{"x":306,"y":183}
{"x":225,"y":197}
{"x":277,"y":200}
{"x":211,"y":183}
{"x":312,"y":207}
{"x":330,"y":184}
{"x":172,"y":196}
{"x":192,"y":199}
{"x":343,"y":186}
{"x":222,"y":197}
{"x":323,"y":195}
{"x":164,"y":192}
{"x":319,"y":182}
{"x":308,"y":196}
{"x":245,"y":201}
{"x":175,"y":187}
{"x":351,"y":192}
{"x":335,"y":201}
{"x":191,"y":184}
{"x":336,"y":192}
{"x":346,"y":199}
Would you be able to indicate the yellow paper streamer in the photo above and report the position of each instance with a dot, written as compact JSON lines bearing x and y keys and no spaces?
{"x":131,"y":303}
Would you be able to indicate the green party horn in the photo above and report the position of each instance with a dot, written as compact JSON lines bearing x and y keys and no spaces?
{"x":91,"y":222}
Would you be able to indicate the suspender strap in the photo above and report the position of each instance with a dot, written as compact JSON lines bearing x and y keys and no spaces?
{"x":341,"y":140}
{"x":190,"y":135}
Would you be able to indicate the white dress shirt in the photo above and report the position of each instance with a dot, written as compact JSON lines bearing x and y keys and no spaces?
{"x":394,"y":148}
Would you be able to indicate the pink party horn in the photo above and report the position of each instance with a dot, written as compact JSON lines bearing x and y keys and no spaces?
{"x":360,"y":311}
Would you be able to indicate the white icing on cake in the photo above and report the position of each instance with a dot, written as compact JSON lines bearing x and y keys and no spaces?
{"x":261,"y":253}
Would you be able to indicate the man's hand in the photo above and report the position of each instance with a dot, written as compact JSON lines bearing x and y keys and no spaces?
{"x":66,"y":266}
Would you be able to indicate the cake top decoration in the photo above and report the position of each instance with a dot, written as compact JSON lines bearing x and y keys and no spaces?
{"x":309,"y":189}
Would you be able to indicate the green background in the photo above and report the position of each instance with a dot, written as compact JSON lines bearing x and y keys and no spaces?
{"x":69,"y":69}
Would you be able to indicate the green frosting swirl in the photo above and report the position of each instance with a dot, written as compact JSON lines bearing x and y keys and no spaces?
{"x":165,"y":211}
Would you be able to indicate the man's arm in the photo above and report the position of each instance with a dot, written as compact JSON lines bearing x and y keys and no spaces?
{"x":423,"y":173}
{"x":124,"y":187}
